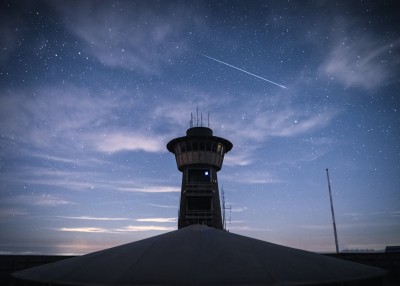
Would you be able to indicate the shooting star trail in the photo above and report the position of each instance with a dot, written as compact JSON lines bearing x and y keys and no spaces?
{"x":243,"y":71}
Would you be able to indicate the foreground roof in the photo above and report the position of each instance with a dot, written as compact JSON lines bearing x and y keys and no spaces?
{"x":200,"y":255}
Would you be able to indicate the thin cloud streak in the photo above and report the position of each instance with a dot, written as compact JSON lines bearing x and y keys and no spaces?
{"x":253,"y":177}
{"x":238,"y":159}
{"x":7,"y":212}
{"x":38,"y":200}
{"x":150,"y":189}
{"x":139,"y":228}
{"x":162,"y":206}
{"x":248,"y":228}
{"x":95,"y":218}
{"x":117,"y":142}
{"x":158,"y":219}
{"x":85,"y":229}
{"x":130,"y":228}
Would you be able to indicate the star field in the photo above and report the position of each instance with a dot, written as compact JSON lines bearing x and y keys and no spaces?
{"x":91,"y":92}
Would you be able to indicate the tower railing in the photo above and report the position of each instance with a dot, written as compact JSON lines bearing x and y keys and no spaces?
{"x":198,"y":214}
{"x":199,"y":185}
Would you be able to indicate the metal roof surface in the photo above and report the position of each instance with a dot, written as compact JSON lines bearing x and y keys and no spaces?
{"x":200,"y":255}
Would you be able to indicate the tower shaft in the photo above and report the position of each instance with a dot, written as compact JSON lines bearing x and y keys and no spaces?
{"x":200,"y":201}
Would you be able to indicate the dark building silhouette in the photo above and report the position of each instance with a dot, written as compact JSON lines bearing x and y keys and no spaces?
{"x":199,"y":156}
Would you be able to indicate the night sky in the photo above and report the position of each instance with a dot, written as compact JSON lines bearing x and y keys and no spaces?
{"x":91,"y":92}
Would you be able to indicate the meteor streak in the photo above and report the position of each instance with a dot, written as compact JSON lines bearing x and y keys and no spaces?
{"x":243,"y":71}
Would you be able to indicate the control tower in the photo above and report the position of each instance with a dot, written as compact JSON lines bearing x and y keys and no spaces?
{"x":199,"y":156}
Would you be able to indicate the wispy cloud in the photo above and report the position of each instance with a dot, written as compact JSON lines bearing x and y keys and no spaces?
{"x":6,"y":212}
{"x":84,"y":180}
{"x":38,"y":200}
{"x":136,"y":228}
{"x":365,"y":63}
{"x":116,"y":142}
{"x":96,"y":218}
{"x":252,"y":132}
{"x":81,"y":246}
{"x":253,"y":177}
{"x":365,"y":215}
{"x":140,"y":40}
{"x":285,"y":123}
{"x":316,"y":226}
{"x":71,"y":119}
{"x":238,"y":159}
{"x":125,"y":229}
{"x":52,"y":116}
{"x":130,"y":228}
{"x":71,"y":180}
{"x":150,"y":189}
{"x":163,"y":206}
{"x":157,"y":219}
{"x":85,"y":229}
{"x":239,"y":209}
{"x":247,"y":228}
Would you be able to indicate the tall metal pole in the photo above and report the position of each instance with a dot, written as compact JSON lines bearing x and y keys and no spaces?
{"x":223,"y":209}
{"x":333,"y":213}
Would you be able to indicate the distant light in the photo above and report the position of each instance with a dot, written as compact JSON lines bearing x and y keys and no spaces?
{"x":206,"y":173}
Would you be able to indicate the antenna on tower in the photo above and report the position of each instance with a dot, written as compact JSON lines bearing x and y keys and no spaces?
{"x":224,"y":208}
{"x":192,"y":118}
{"x":197,"y":116}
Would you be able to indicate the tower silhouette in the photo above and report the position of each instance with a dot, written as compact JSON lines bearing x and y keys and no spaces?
{"x":199,"y":156}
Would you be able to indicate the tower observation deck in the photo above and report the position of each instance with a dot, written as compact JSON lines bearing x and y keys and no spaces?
{"x":199,"y":156}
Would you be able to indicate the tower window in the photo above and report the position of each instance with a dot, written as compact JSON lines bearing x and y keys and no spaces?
{"x":214,"y":147}
{"x":188,"y":146}
{"x":199,"y":203}
{"x":183,"y":147}
{"x":219,"y":147}
{"x":208,"y":146}
{"x":202,"y":145}
{"x":199,"y":175}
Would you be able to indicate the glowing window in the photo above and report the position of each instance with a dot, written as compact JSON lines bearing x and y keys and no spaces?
{"x":199,"y":176}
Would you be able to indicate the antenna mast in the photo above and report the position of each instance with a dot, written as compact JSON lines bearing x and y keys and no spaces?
{"x":224,"y":208}
{"x":197,"y":116}
{"x":192,"y":118}
{"x":333,"y":213}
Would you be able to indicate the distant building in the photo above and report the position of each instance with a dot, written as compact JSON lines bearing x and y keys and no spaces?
{"x":390,"y":249}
